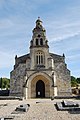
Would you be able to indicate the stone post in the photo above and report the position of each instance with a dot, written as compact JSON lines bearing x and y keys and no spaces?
{"x":25,"y":92}
{"x":55,"y":85}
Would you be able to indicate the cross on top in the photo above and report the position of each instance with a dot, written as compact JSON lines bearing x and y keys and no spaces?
{"x":38,"y":17}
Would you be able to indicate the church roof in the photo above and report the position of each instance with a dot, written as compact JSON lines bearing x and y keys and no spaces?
{"x":24,"y":57}
{"x":57,"y":58}
{"x":21,"y":59}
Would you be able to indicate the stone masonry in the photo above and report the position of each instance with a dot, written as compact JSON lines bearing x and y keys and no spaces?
{"x":40,"y":74}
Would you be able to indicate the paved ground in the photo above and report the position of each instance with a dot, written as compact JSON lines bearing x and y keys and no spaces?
{"x":43,"y":110}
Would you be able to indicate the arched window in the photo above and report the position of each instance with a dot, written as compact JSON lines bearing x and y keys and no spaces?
{"x":37,"y":59}
{"x":41,"y":41}
{"x":37,"y":43}
{"x":40,"y":58}
{"x":39,"y":36}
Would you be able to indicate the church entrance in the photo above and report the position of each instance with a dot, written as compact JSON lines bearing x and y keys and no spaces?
{"x":40,"y":89}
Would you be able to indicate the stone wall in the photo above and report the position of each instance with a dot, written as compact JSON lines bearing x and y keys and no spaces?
{"x":17,"y":80}
{"x":63,"y":80}
{"x":21,"y":74}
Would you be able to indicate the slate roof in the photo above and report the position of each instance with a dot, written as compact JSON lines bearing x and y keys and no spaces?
{"x":57,"y":58}
{"x":21,"y":59}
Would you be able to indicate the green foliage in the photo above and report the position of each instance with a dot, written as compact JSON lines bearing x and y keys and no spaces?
{"x":4,"y":83}
{"x":0,"y":82}
{"x":73,"y":81}
{"x":78,"y":80}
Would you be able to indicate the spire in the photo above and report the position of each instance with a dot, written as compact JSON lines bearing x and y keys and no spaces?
{"x":16,"y":57}
{"x":63,"y":55}
{"x":39,"y":26}
{"x":39,"y":35}
{"x":38,"y":20}
{"x":39,"y":23}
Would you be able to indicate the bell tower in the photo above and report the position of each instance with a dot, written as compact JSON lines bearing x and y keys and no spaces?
{"x":39,"y":36}
{"x":39,"y":49}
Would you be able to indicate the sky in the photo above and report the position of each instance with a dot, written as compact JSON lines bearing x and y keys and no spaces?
{"x":61,"y":19}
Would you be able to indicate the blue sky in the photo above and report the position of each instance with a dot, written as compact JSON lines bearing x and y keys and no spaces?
{"x":61,"y":19}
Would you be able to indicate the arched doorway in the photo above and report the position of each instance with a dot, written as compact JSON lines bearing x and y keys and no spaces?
{"x":40,"y":89}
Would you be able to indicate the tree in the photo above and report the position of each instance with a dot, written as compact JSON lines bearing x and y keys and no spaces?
{"x":78,"y":80}
{"x":4,"y":83}
{"x":73,"y":81}
{"x":1,"y":82}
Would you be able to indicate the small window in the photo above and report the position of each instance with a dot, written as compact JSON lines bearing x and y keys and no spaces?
{"x":37,"y":59}
{"x":37,"y":42}
{"x":41,"y":41}
{"x":39,"y":36}
{"x":41,"y":59}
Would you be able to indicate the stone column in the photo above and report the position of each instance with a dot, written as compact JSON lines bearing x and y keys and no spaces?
{"x":52,"y":85}
{"x":26,"y":89}
{"x":25,"y":93}
{"x":25,"y":86}
{"x":55,"y":85}
{"x":55,"y":91}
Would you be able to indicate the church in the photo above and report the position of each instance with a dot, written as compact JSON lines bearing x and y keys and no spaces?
{"x":40,"y":74}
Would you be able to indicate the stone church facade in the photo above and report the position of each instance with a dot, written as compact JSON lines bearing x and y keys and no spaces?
{"x":40,"y":74}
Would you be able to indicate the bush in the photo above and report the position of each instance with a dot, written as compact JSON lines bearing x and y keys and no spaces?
{"x":4,"y":83}
{"x":73,"y":81}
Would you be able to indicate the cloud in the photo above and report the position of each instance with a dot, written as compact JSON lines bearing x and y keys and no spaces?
{"x":76,"y":72}
{"x":73,"y":57}
{"x":6,"y":24}
{"x":17,"y":7}
{"x":6,"y":60}
{"x":62,"y":30}
{"x":14,"y":35}
{"x":2,"y":2}
{"x":63,"y":36}
{"x":60,"y":18}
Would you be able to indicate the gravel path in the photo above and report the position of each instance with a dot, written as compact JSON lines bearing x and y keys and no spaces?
{"x":44,"y":109}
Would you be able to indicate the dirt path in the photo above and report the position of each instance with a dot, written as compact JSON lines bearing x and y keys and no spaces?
{"x":40,"y":109}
